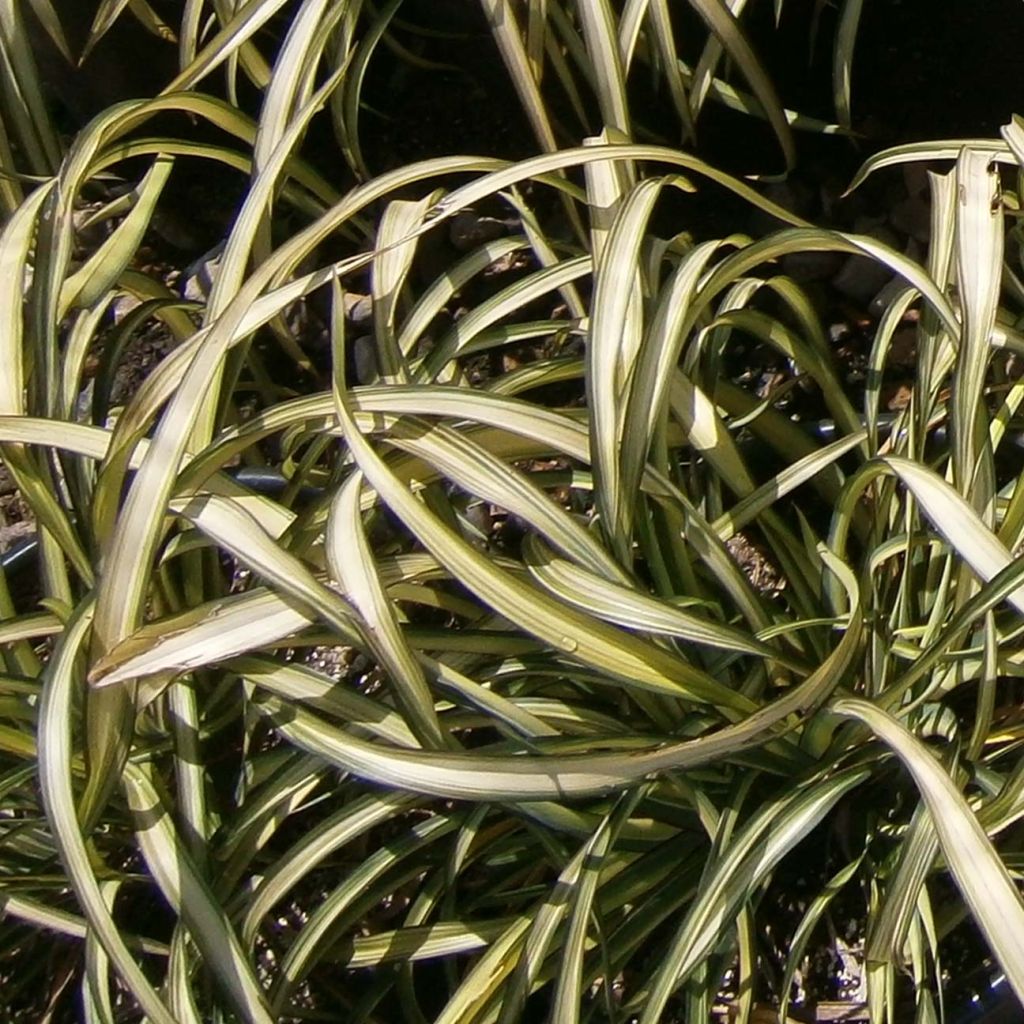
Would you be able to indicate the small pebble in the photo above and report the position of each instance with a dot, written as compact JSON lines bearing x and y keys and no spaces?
{"x":200,"y":275}
{"x":913,"y":217}
{"x":878,"y":305}
{"x":123,"y":305}
{"x":811,"y":266}
{"x":861,"y":278}
{"x":469,"y":230}
{"x":364,"y":355}
{"x":358,"y":308}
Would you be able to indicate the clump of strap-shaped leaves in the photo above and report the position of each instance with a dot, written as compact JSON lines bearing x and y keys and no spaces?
{"x":582,"y":758}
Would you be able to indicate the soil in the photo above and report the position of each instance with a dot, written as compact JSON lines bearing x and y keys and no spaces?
{"x":16,"y":519}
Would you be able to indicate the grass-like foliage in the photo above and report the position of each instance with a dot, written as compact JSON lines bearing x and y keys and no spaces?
{"x":572,"y":762}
